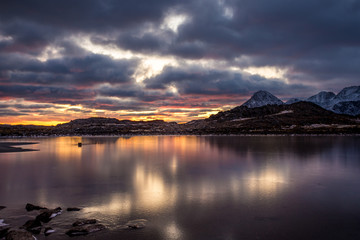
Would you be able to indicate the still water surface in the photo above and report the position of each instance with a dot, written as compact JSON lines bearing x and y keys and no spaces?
{"x":190,"y":187}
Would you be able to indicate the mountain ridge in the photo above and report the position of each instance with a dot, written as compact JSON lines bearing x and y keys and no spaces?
{"x":271,"y":117}
{"x":347,"y":101}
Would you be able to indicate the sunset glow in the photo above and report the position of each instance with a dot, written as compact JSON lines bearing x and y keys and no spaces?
{"x":164,"y":60}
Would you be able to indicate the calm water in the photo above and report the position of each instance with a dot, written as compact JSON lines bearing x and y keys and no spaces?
{"x":190,"y":187}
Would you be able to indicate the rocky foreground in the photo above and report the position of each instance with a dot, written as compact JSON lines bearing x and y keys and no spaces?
{"x":41,"y":225}
{"x":296,"y":118}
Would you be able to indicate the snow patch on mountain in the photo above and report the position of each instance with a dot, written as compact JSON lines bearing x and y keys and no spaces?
{"x":262,"y":98}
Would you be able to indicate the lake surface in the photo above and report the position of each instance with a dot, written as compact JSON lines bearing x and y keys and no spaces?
{"x":190,"y":187}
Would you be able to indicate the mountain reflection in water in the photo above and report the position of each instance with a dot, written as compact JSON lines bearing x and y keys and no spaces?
{"x":193,"y":187}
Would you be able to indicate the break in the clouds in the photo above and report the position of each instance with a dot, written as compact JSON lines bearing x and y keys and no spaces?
{"x":169,"y":59}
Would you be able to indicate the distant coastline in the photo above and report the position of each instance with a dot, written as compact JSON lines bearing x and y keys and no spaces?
{"x":285,"y":119}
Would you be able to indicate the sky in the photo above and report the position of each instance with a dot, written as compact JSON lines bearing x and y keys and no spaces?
{"x":175,"y":60}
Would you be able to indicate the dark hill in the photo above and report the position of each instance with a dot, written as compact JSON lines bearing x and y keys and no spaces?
{"x":113,"y":126}
{"x":300,"y":117}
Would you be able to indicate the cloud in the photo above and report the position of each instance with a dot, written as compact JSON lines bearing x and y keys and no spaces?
{"x":216,"y":82}
{"x":44,"y":94}
{"x":318,"y":39}
{"x":82,"y":71}
{"x":10,"y":112}
{"x":101,"y":16}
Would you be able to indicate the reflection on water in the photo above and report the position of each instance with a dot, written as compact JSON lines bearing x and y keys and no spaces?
{"x":191,"y":187}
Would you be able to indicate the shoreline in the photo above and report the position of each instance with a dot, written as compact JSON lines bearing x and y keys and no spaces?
{"x":198,"y":135}
{"x":8,"y":147}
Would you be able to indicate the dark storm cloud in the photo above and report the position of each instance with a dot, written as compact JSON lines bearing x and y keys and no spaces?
{"x":146,"y":43}
{"x":317,"y":38}
{"x":215,"y":82}
{"x":26,"y":36}
{"x":44,"y":94}
{"x":85,"y":15}
{"x":134,"y":91}
{"x":282,"y":33}
{"x":26,"y":106}
{"x":78,"y":110}
{"x":115,"y":105}
{"x":10,"y":112}
{"x":77,"y":71}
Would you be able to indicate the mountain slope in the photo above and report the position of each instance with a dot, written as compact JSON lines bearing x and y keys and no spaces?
{"x":348,"y":107}
{"x":322,"y":99}
{"x":300,"y":117}
{"x":348,"y":94}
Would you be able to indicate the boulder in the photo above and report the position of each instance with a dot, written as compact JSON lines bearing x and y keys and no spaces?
{"x":48,"y":214}
{"x":30,"y":207}
{"x":3,"y":232}
{"x":19,"y":235}
{"x":33,"y":226}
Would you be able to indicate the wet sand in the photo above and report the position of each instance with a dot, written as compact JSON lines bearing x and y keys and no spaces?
{"x":6,"y":147}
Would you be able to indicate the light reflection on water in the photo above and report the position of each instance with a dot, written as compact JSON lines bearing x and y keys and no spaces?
{"x":191,"y":187}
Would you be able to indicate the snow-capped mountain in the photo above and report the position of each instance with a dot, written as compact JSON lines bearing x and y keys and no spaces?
{"x":262,"y":98}
{"x":347,"y":101}
{"x":323,"y":99}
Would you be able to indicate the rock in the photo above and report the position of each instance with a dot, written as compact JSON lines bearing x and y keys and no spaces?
{"x":2,"y":224}
{"x":94,"y":228}
{"x":47,"y":215}
{"x":19,"y":235}
{"x":48,"y":231}
{"x":3,"y":232}
{"x":136,"y":224}
{"x":84,"y":222}
{"x":33,"y":226}
{"x":77,"y":231}
{"x":2,"y":207}
{"x":73,"y":209}
{"x":30,"y":207}
{"x":84,"y":230}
